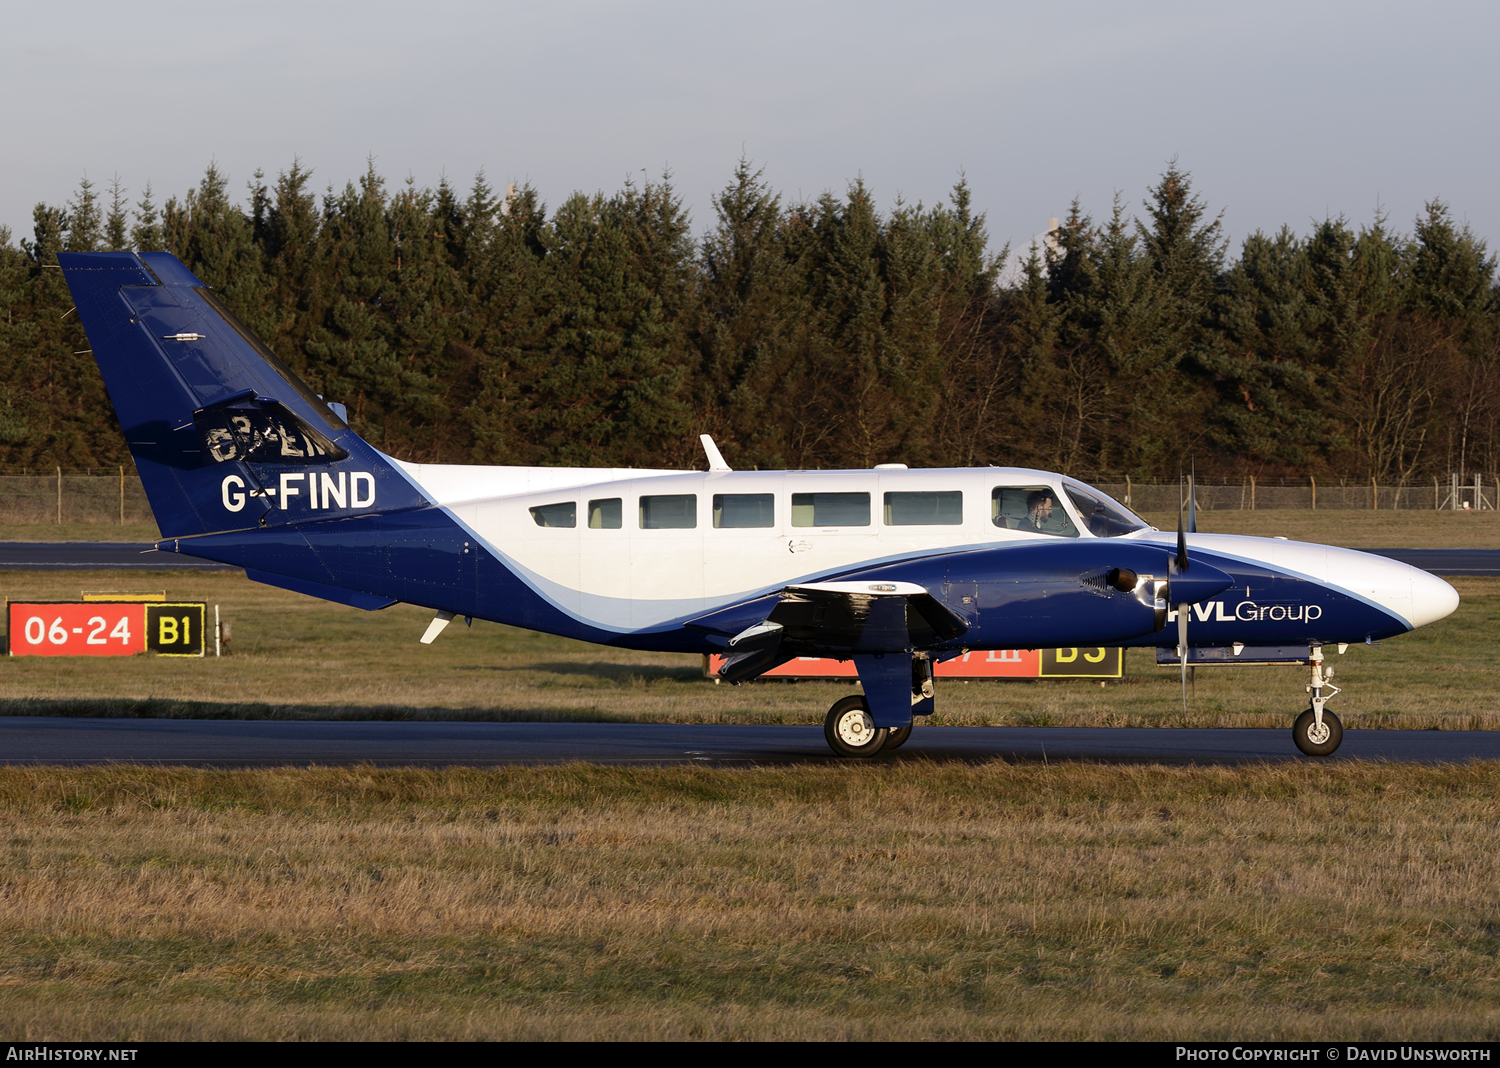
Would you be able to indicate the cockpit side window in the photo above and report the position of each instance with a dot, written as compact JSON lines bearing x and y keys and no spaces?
{"x":1102,"y":514}
{"x":1035,"y":509}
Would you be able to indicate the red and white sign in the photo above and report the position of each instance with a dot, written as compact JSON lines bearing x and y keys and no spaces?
{"x":107,"y":628}
{"x":981,"y":664}
{"x":93,"y":628}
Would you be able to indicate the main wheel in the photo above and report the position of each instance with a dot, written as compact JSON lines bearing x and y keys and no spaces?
{"x":851,"y":731}
{"x":897,"y":738}
{"x":1311,"y":740}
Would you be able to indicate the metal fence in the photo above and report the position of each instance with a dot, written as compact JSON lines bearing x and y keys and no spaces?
{"x":87,"y":497}
{"x":1454,"y":492}
{"x":99,"y":497}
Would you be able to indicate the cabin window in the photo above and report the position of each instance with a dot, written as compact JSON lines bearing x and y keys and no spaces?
{"x":830,"y":509}
{"x":939,"y":508}
{"x":1031,"y":508}
{"x":556,"y":515}
{"x":605,"y":514}
{"x":744,"y":509}
{"x":669,"y":511}
{"x":1103,"y":515}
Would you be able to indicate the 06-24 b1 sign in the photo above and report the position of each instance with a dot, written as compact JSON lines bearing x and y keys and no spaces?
{"x":105,"y":628}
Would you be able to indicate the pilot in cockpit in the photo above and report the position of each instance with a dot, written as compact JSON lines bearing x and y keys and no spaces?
{"x":1039,"y":511}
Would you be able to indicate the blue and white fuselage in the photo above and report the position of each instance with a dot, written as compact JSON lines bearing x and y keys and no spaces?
{"x":637,"y":578}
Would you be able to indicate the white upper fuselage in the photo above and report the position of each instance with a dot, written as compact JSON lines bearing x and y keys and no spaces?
{"x":636,"y":575}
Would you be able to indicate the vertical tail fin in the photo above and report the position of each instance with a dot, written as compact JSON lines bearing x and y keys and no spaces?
{"x":225,"y":435}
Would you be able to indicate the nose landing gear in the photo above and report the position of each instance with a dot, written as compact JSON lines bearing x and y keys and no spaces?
{"x":1318,"y":731}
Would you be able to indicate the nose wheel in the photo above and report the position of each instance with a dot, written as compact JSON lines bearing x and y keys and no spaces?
{"x":1318,"y":731}
{"x":1317,"y":738}
{"x":851,"y":730}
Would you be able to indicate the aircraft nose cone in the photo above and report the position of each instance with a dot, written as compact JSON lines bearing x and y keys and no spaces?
{"x":1432,"y":599}
{"x":1405,"y":591}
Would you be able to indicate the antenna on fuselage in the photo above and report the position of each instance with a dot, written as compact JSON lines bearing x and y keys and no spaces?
{"x":715,"y":457}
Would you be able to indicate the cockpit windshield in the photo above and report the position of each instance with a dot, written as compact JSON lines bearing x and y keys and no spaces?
{"x":1104,"y":516}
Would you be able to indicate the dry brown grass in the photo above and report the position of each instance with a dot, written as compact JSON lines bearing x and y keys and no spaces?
{"x":1353,"y":529}
{"x":78,"y":532}
{"x":896,"y":901}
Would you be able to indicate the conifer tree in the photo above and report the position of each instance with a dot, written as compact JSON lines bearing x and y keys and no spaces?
{"x":84,"y":219}
{"x":288,"y":235}
{"x":605,"y":387}
{"x":18,"y":331}
{"x":512,"y":294}
{"x":813,"y":334}
{"x":146,"y":235}
{"x":115,"y":236}
{"x":751,"y":333}
{"x":1269,"y":316}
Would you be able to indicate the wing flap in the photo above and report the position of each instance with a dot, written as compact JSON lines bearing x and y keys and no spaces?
{"x":830,"y":619}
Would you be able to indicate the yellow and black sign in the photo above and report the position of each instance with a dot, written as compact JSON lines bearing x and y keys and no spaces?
{"x":175,"y":629}
{"x":1086,"y":663}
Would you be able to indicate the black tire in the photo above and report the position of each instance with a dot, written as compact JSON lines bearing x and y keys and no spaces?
{"x":853,"y":735}
{"x":1302,"y":734}
{"x":897,"y":738}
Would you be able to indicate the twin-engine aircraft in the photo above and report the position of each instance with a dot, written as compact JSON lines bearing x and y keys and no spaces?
{"x":896,"y":570}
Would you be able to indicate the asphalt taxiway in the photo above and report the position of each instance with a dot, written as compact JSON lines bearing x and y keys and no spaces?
{"x":91,"y":555}
{"x":293,"y":743}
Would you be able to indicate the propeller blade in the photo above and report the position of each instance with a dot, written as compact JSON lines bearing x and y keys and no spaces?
{"x":1182,"y":646}
{"x":1192,"y":516}
{"x":1182,"y":556}
{"x":1178,"y":565}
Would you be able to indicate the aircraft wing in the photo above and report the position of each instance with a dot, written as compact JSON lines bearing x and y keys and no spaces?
{"x":830,"y":619}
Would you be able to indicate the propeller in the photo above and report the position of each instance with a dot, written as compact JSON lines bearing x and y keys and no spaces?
{"x":1192,"y":516}
{"x":1178,"y":565}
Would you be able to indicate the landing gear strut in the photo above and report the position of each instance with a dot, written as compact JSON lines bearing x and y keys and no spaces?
{"x":850,"y":726}
{"x":1318,"y":731}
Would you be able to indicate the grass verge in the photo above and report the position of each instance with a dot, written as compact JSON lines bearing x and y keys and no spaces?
{"x":900,"y":901}
{"x":79,"y":532}
{"x":1352,"y":529}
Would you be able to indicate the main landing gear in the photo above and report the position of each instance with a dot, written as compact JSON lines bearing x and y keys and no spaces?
{"x":851,"y":731}
{"x":1318,"y":731}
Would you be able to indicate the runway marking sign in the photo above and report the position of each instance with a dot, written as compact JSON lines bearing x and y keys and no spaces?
{"x":105,"y":628}
{"x":981,"y":664}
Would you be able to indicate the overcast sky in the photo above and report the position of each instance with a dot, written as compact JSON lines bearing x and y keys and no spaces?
{"x":1284,"y":112}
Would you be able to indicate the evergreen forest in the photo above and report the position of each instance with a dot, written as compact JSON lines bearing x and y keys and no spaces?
{"x":474,"y":327}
